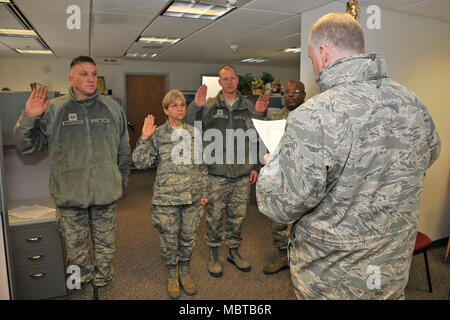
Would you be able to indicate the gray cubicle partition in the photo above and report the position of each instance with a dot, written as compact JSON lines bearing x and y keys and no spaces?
{"x":12,"y":103}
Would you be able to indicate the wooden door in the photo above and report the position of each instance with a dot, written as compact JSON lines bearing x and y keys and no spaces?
{"x":144,"y":96}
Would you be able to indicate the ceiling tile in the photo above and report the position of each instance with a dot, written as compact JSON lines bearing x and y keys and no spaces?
{"x":175,"y":27}
{"x":254,"y":17}
{"x":21,"y":43}
{"x":134,"y":7}
{"x":286,"y":6}
{"x":430,"y":8}
{"x":7,"y":20}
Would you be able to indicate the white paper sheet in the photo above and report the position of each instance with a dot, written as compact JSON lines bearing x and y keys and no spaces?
{"x":270,"y":132}
{"x":27,"y":212}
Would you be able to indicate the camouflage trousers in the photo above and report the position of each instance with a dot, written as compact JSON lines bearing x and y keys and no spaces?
{"x":177,"y":226}
{"x":372,"y":269}
{"x":228,"y":197}
{"x":280,"y":234}
{"x":75,"y":225}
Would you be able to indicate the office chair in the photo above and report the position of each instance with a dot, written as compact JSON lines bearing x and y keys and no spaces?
{"x":423,"y":242}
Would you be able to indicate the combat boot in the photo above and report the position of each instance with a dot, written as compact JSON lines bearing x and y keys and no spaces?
{"x":173,"y":287}
{"x":185,"y":278}
{"x":279,"y":264}
{"x":235,"y":258}
{"x":101,"y":293}
{"x":214,"y":266}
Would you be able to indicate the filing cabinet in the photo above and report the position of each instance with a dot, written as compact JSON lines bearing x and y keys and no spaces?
{"x":38,"y":260}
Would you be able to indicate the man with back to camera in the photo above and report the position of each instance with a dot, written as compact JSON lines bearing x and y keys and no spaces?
{"x":294,"y":96}
{"x":349,"y":172}
{"x":229,"y":183}
{"x":89,"y":167}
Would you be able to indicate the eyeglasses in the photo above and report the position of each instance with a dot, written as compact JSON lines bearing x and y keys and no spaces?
{"x":293,"y":91}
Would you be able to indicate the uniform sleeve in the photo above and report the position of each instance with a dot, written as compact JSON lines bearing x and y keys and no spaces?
{"x":198,"y":160}
{"x":193,"y":113}
{"x":29,"y":134}
{"x":434,"y":141}
{"x":294,"y":181}
{"x":145,"y":153}
{"x":124,"y":152}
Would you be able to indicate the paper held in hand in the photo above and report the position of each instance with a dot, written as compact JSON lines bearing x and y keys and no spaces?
{"x":270,"y":132}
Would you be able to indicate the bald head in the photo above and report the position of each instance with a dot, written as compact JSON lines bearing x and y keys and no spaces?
{"x":294,"y":95}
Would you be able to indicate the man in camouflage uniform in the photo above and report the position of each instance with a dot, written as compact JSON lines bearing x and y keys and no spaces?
{"x":228,"y":182}
{"x":89,"y":167}
{"x":349,"y":172}
{"x":180,"y":188}
{"x":294,"y":96}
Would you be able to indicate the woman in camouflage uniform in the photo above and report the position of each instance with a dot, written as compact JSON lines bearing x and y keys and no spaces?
{"x":180,"y":189}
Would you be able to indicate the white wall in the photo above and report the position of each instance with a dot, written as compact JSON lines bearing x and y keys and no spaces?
{"x":18,"y":73}
{"x":417,"y":52}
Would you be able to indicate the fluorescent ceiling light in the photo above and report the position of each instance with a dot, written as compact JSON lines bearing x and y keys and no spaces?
{"x":253,"y":60}
{"x":34,"y":51}
{"x":5,"y":1}
{"x":141,"y":55}
{"x":18,"y":33}
{"x":180,"y":9}
{"x":292,"y":50}
{"x":158,"y":40}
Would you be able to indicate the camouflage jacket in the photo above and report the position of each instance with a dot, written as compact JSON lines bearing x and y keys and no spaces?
{"x":88,"y":145}
{"x":279,"y":114}
{"x":349,"y":173}
{"x":179,"y":180}
{"x":217,"y":115}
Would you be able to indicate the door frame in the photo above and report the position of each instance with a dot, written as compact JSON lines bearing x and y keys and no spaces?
{"x":125,"y":74}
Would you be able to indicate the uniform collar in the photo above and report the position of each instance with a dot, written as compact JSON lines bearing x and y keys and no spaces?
{"x":87,"y":100}
{"x":355,"y":68}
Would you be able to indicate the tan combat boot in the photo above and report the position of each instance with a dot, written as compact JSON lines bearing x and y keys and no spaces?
{"x":214,"y":266}
{"x":235,"y":258}
{"x":279,"y":264}
{"x":173,"y":287}
{"x":185,"y":278}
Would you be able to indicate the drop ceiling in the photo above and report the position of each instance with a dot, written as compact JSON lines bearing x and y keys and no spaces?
{"x":110,"y":28}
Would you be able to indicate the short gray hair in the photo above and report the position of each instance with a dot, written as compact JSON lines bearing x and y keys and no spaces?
{"x":338,"y":30}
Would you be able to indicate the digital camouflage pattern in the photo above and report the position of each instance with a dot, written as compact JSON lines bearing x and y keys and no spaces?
{"x":175,"y":183}
{"x":280,"y":231}
{"x":74,"y":224}
{"x":179,"y":185}
{"x":177,"y":226}
{"x":231,"y":197}
{"x":281,"y":114}
{"x":349,"y":173}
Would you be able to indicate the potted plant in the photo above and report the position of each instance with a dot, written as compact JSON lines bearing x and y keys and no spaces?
{"x":277,"y":87}
{"x":245,"y":84}
{"x":257,"y":86}
{"x":267,"y":77}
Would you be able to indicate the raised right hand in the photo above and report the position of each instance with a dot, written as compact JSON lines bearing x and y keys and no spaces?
{"x":149,"y":127}
{"x":37,"y":102}
{"x":200,"y":96}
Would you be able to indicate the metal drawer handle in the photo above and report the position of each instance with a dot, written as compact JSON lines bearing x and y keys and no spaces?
{"x":36,"y":258}
{"x":33,"y":239}
{"x":37,"y":276}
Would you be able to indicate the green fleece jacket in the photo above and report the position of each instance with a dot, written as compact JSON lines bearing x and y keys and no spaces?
{"x":88,"y":148}
{"x":228,"y":123}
